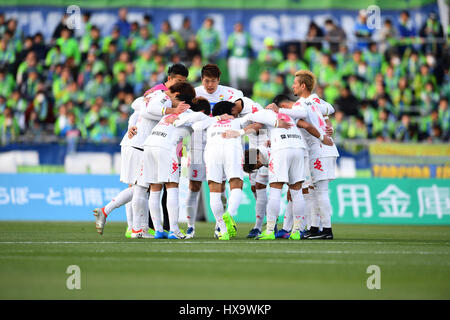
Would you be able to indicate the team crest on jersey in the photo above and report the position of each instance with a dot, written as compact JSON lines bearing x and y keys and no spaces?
{"x":221,"y":97}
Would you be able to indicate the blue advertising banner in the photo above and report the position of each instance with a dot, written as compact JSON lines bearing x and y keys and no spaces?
{"x":282,"y":25}
{"x":64,"y":197}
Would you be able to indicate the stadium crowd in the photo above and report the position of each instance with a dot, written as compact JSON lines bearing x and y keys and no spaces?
{"x":392,"y":85}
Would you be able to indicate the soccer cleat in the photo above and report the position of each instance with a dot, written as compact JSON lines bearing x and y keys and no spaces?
{"x":128,"y":233}
{"x":137,"y":234}
{"x":190,"y":233}
{"x":224,"y":236}
{"x":266,"y":236}
{"x":254,"y":233}
{"x":295,"y":235}
{"x":217,"y":233}
{"x":284,"y":234}
{"x":176,"y":235}
{"x":151,"y":232}
{"x":325,"y":234}
{"x":161,"y":234}
{"x":100,"y":220}
{"x":231,"y":225}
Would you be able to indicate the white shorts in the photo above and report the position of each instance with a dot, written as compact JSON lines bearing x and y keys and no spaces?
{"x":130,"y":161}
{"x":222,"y":163}
{"x":260,"y":175}
{"x":322,"y":168}
{"x":286,"y":166}
{"x":197,"y":169}
{"x":158,"y":166}
{"x":307,"y":174}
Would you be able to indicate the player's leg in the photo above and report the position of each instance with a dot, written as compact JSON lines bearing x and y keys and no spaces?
{"x":173,"y":210}
{"x":154,"y":204}
{"x":278,"y":176}
{"x":260,"y":209}
{"x":288,"y":220}
{"x":215,"y":203}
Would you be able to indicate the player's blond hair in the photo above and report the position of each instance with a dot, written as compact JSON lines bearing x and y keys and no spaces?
{"x":306,"y":77}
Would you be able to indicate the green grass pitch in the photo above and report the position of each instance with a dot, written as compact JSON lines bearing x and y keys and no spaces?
{"x":414,"y":263}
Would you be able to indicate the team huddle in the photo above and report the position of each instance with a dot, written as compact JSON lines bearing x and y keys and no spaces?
{"x":289,"y":143}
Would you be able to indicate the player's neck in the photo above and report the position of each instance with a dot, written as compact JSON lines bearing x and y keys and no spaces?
{"x":305,"y":94}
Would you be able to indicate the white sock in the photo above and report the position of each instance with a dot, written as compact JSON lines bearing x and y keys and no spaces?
{"x":154,"y":203}
{"x":217,"y":208}
{"x":139,"y":206}
{"x":308,"y":205}
{"x":235,"y":201}
{"x":288,"y":217}
{"x":260,"y":207}
{"x":122,"y":198}
{"x":224,"y":199}
{"x":298,"y":209}
{"x":315,"y":216}
{"x":324,"y":204}
{"x":192,"y":207}
{"x":273,"y":208}
{"x":129,"y":212}
{"x":172,"y":209}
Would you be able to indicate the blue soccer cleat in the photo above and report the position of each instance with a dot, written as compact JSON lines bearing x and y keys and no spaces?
{"x":254,"y":233}
{"x":161,"y":235}
{"x":282,"y":234}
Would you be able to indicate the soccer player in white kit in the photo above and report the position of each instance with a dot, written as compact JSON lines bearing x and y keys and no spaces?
{"x":283,"y":101}
{"x":322,"y":157}
{"x":285,"y":164}
{"x":126,"y":176}
{"x":161,"y":165}
{"x":213,"y":92}
{"x":158,"y":105}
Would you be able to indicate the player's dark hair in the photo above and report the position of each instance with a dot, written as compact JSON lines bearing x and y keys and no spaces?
{"x":211,"y":71}
{"x":250,"y":164}
{"x":201,"y":105}
{"x":178,"y":68}
{"x":280,"y":98}
{"x":222,"y":107}
{"x":185,"y":91}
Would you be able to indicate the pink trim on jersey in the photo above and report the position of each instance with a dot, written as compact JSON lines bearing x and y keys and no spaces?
{"x":160,"y":86}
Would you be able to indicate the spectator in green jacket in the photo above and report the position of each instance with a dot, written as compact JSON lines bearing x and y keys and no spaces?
{"x":97,"y":87}
{"x":290,"y":66}
{"x":270,"y":57}
{"x":382,"y":126}
{"x":444,"y":117}
{"x":169,"y":40}
{"x":209,"y":40}
{"x":69,"y":46}
{"x":9,"y":127}
{"x":102,"y":132}
{"x":264,"y":90}
{"x":239,"y":53}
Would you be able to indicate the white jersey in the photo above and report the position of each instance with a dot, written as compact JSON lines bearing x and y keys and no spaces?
{"x":167,"y":135}
{"x":315,"y":117}
{"x":223,"y":93}
{"x":136,"y":106}
{"x":250,"y":106}
{"x":280,"y":138}
{"x":149,"y":116}
{"x":214,"y":129}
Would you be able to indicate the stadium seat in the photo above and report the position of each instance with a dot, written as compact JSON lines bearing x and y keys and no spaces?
{"x":8,"y":162}
{"x":347,"y":167}
{"x":27,"y":158}
{"x":100,"y":163}
{"x":88,"y":162}
{"x":116,"y":163}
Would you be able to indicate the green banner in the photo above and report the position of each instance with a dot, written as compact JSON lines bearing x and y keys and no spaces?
{"x":372,"y":201}
{"x":228,"y":4}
